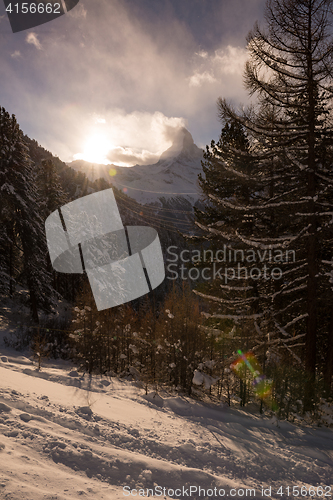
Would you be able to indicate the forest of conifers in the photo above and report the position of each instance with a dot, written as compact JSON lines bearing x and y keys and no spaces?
{"x":267,"y":190}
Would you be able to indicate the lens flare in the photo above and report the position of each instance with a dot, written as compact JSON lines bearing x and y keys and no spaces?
{"x":262,"y":386}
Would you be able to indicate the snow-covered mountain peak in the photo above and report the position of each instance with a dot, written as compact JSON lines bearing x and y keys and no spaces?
{"x":183,"y":145}
{"x":175,"y":174}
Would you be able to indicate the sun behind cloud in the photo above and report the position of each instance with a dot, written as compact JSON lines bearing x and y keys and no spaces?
{"x":95,"y":150}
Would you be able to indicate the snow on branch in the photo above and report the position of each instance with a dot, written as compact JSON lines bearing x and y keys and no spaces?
{"x":285,"y":292}
{"x":257,"y":244}
{"x":287,"y":193}
{"x":295,"y":320}
{"x":217,"y":332}
{"x":296,"y":289}
{"x":291,"y":304}
{"x":251,"y":208}
{"x":269,"y":343}
{"x":295,"y":268}
{"x":259,"y":332}
{"x":233,"y":171}
{"x":235,"y":302}
{"x":281,"y":329}
{"x":236,"y":317}
{"x":233,"y":288}
{"x":293,"y":354}
{"x":214,"y":331}
{"x":318,"y":214}
{"x":295,"y":162}
{"x":213,"y":231}
{"x":324,"y":178}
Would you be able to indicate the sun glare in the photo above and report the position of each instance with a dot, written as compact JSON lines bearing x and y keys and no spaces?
{"x":96,"y":149}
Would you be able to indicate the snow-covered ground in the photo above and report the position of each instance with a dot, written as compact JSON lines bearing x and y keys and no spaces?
{"x":67,"y":436}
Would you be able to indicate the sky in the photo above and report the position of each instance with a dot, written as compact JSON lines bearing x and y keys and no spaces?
{"x":113,"y":81}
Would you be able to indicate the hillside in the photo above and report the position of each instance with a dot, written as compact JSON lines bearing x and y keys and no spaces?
{"x":65,"y":436}
{"x":174,"y":176}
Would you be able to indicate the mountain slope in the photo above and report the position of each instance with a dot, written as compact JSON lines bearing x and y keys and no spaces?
{"x":67,"y":436}
{"x":174,"y":176}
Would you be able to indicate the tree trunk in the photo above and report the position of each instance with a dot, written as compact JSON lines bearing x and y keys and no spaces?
{"x":11,"y":291}
{"x":311,"y":336}
{"x":328,"y":370}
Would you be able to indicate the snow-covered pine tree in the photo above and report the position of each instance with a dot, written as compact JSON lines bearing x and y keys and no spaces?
{"x":232,"y":182}
{"x":50,"y":190}
{"x":19,"y":212}
{"x":181,"y":344}
{"x":291,"y":133}
{"x":7,"y":257}
{"x":227,"y":169}
{"x":51,"y":197}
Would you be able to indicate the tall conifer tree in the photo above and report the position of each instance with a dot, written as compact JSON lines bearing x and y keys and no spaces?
{"x":20,"y":213}
{"x":290,"y":128}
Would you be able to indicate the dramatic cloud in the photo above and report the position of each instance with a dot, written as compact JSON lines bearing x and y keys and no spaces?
{"x":125,"y":157}
{"x":78,"y":12}
{"x":137,"y":70}
{"x":220,"y":65}
{"x":198,"y":79}
{"x":32,"y":38}
{"x":229,"y":61}
{"x":132,"y":138}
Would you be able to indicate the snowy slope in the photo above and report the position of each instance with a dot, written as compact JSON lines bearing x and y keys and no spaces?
{"x":65,"y":436}
{"x":174,"y":175}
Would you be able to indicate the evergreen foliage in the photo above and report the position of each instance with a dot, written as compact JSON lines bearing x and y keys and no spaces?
{"x":24,"y":239}
{"x":51,"y":194}
{"x":160,"y":345}
{"x":290,"y":189}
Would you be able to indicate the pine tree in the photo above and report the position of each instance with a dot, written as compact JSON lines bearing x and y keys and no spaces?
{"x":50,"y":190}
{"x":226,"y":167}
{"x":290,"y":129}
{"x":230,"y":184}
{"x":20,"y":213}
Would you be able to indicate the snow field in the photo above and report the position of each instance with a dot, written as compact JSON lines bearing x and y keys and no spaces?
{"x":98,"y":435}
{"x":67,"y":436}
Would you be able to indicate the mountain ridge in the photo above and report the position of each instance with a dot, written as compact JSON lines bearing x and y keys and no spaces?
{"x":174,"y":175}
